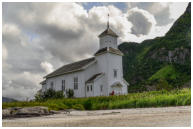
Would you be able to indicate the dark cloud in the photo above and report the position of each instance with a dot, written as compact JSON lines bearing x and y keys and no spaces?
{"x":58,"y":33}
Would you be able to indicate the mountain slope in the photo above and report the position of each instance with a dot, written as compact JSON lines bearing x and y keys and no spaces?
{"x":5,"y":99}
{"x":163,"y":58}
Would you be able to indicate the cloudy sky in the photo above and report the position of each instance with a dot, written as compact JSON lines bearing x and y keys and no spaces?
{"x":40,"y":37}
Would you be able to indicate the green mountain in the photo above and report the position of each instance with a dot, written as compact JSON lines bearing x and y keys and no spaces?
{"x":163,"y":60}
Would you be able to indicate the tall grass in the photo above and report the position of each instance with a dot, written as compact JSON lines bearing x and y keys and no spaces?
{"x":132,"y":100}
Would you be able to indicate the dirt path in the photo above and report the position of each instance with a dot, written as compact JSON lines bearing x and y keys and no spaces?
{"x":140,"y":117}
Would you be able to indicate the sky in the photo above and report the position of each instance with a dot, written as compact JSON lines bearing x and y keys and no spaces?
{"x":37,"y":38}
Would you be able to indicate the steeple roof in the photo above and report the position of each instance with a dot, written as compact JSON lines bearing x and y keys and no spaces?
{"x":108,"y":31}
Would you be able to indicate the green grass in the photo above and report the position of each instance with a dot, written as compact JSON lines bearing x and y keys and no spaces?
{"x":132,"y":100}
{"x":165,"y":72}
{"x":141,"y":55}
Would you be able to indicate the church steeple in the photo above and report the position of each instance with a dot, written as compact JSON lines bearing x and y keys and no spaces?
{"x":108,"y":38}
{"x":108,"y":31}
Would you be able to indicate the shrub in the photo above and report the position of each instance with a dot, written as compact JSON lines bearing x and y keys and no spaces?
{"x":70,"y":93}
{"x":49,"y":94}
{"x":88,"y":104}
{"x":163,"y":85}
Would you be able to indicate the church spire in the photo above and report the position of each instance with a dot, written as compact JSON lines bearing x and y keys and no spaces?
{"x":108,"y":31}
{"x":108,"y":22}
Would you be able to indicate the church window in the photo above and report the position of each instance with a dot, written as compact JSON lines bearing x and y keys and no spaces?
{"x":90,"y":87}
{"x":52,"y":85}
{"x":101,"y":88}
{"x":87,"y":88}
{"x":76,"y":83}
{"x":115,"y":73}
{"x":63,"y":85}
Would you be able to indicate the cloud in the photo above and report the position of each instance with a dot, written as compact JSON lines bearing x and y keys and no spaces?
{"x":161,"y":11}
{"x":177,"y":9}
{"x":47,"y":67}
{"x":143,"y":22}
{"x":20,"y":85}
{"x":4,"y":52}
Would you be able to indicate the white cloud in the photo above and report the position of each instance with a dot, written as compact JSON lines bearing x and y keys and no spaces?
{"x":143,"y":22}
{"x":47,"y":66}
{"x":177,"y":9}
{"x":21,"y":85}
{"x":11,"y":29}
{"x":4,"y":52}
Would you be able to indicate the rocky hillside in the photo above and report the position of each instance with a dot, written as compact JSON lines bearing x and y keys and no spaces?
{"x":163,"y":60}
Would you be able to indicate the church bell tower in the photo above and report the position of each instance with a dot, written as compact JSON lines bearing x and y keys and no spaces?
{"x":108,"y":38}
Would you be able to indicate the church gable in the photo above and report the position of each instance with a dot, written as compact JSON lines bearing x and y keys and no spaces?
{"x":91,"y":79}
{"x":110,"y":50}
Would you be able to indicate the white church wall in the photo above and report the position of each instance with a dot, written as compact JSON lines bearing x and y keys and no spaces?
{"x":98,"y":83}
{"x":125,"y":89}
{"x":115,"y":63}
{"x":89,"y":89}
{"x":43,"y":87}
{"x":90,"y":71}
{"x":69,"y":80}
{"x":87,"y":73}
{"x":102,"y":67}
{"x":69,"y":83}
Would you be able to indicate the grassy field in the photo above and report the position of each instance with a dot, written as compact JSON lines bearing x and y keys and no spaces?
{"x":132,"y":100}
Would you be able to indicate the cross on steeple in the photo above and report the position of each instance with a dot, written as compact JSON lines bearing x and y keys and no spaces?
{"x":108,"y":22}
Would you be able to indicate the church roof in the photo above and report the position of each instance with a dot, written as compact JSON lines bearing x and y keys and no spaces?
{"x":91,"y":79}
{"x":73,"y":67}
{"x":108,"y":31}
{"x":109,"y":49}
{"x":43,"y":82}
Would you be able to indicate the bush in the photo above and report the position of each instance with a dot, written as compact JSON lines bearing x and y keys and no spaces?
{"x":49,"y":94}
{"x":88,"y":104}
{"x":163,"y":85}
{"x":70,"y":93}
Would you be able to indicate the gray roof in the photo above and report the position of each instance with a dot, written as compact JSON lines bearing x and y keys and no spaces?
{"x":73,"y":67}
{"x":109,"y":49}
{"x":43,"y":82}
{"x":108,"y":31}
{"x":93,"y":77}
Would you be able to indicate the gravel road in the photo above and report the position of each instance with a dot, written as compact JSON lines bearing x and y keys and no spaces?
{"x":140,"y":117}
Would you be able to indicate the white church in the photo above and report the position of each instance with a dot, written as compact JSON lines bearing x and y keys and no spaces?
{"x":101,"y":75}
